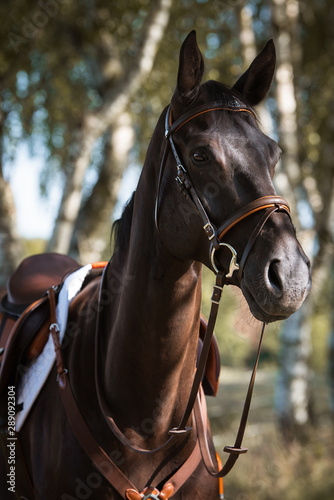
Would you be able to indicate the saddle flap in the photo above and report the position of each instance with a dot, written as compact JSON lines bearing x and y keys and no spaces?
{"x":20,"y":338}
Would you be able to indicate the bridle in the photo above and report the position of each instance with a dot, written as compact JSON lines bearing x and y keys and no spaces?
{"x":195,"y":407}
{"x":269,"y":204}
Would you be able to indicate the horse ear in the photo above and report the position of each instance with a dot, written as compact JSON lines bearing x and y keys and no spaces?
{"x":191,"y":69}
{"x":255,"y":82}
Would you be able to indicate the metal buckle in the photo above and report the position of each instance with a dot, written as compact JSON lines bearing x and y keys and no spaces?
{"x":181,"y":173}
{"x":150,"y":493}
{"x":54,"y":326}
{"x":178,"y":432}
{"x":209,"y":230}
{"x":217,"y":293}
{"x":233,"y":263}
{"x":59,"y":374}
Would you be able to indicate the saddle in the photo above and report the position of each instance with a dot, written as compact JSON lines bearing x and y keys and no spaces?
{"x":24,"y":311}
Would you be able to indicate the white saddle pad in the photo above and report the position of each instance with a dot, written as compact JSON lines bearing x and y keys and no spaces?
{"x":33,"y":378}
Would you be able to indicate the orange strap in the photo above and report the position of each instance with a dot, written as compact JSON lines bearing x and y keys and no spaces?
{"x":221,"y":484}
{"x":99,"y":265}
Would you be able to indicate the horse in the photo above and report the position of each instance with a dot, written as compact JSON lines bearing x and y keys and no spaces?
{"x":132,"y":334}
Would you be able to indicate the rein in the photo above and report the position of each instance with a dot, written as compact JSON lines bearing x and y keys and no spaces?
{"x":195,"y":408}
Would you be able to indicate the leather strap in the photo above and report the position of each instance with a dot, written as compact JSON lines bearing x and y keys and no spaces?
{"x":215,"y":300}
{"x":205,"y":108}
{"x":236,"y":450}
{"x":254,"y":206}
{"x":257,"y":230}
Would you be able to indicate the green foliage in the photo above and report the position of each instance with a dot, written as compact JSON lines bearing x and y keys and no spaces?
{"x":32,"y":247}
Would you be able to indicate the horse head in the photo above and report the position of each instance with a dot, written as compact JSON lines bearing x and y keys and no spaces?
{"x":223,"y":162}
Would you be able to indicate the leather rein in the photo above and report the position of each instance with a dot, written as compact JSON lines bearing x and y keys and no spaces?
{"x":195,"y":411}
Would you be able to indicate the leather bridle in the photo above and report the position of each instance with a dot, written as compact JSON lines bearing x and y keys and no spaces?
{"x":195,"y":407}
{"x":269,"y":204}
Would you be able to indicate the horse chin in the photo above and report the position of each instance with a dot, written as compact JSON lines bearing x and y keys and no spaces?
{"x":260,"y":311}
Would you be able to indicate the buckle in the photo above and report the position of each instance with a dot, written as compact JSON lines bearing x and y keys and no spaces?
{"x":179,"y":432}
{"x":181,"y":174}
{"x":150,"y":493}
{"x":55,"y":327}
{"x":216,"y":294}
{"x":64,"y":372}
{"x":209,"y":230}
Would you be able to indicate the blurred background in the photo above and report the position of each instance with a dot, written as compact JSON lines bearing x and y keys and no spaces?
{"x":82,"y":84}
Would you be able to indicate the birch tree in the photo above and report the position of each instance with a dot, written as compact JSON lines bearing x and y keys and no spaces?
{"x":91,"y":234}
{"x":95,"y":124}
{"x":10,"y":245}
{"x":331,"y":347}
{"x":292,"y":398}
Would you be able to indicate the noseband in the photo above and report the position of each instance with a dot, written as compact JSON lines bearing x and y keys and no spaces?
{"x":269,"y":204}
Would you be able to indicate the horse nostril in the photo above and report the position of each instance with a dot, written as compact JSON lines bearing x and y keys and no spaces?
{"x":274,"y":278}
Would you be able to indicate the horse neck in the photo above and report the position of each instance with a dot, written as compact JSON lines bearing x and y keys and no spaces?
{"x":151,"y":331}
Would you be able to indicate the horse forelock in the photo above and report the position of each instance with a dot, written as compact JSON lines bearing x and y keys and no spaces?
{"x":231,"y":98}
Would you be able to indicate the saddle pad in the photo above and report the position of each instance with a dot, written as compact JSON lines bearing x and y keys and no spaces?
{"x":34,"y":378}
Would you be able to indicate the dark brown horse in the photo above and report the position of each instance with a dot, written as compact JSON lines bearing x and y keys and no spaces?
{"x":149,"y":308}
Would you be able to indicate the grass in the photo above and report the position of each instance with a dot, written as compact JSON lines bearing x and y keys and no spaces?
{"x":272,"y":469}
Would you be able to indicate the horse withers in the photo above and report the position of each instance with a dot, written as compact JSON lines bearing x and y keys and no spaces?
{"x":205,"y":196}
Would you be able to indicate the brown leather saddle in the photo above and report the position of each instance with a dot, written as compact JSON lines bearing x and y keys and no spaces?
{"x":24,"y":311}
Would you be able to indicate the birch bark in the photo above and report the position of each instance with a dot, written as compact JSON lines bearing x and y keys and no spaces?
{"x":93,"y":226}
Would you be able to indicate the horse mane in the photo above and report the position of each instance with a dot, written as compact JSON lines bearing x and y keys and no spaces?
{"x":121,"y":228}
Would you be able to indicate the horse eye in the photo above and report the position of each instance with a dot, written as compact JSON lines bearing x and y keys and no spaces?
{"x":199,"y":156}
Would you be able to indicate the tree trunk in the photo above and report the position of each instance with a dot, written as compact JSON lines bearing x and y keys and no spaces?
{"x":96,"y":124}
{"x":10,"y":245}
{"x":249,"y":52}
{"x":292,"y":391}
{"x":292,"y":400}
{"x":331,"y":347}
{"x":92,"y":229}
{"x":285,"y":23}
